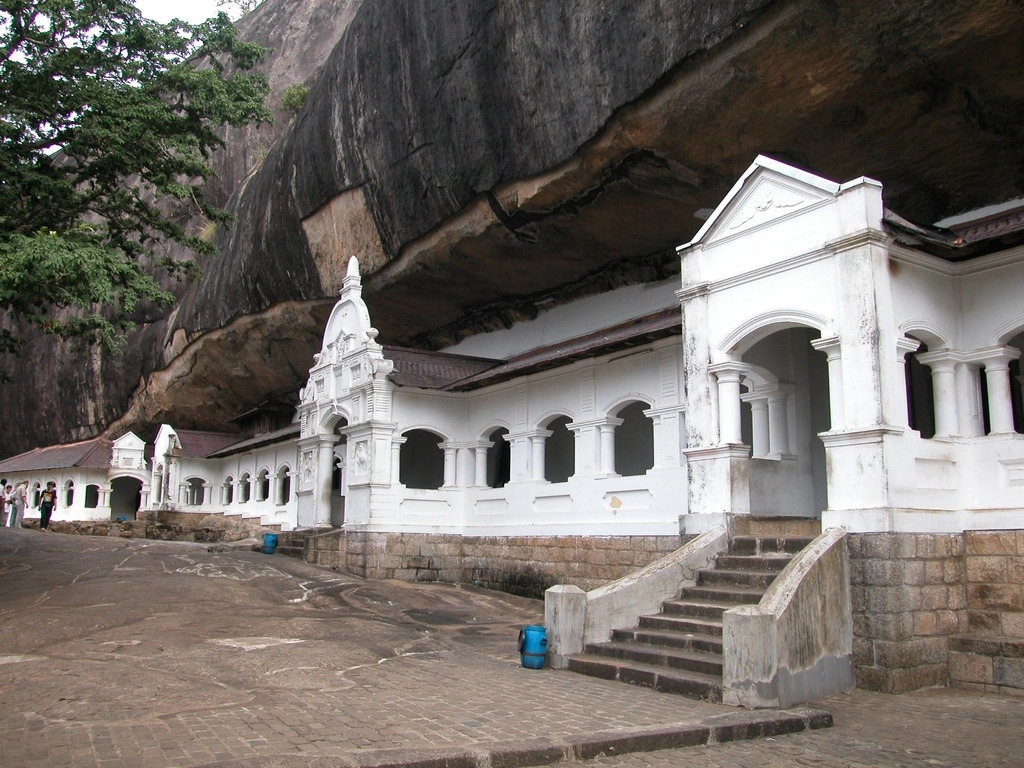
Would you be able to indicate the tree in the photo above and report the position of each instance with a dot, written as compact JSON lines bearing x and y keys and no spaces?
{"x":242,"y":6}
{"x":108,"y":122}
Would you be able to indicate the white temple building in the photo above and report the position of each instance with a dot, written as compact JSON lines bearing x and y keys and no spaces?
{"x":817,"y":358}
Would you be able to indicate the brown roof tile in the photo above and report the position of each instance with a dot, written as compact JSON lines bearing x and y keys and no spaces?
{"x":88,"y":454}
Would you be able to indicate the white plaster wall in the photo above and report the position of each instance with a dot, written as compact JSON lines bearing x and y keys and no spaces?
{"x":647,"y":504}
{"x":992,"y":299}
{"x":926,"y":300}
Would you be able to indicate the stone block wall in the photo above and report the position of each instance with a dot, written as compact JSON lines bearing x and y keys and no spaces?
{"x":909,"y":597}
{"x":995,"y":583}
{"x":521,"y":565}
{"x":990,"y":657}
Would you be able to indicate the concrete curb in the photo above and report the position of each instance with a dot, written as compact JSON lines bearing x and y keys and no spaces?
{"x":733,"y":726}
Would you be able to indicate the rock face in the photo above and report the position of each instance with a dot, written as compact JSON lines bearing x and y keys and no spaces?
{"x":485,"y":159}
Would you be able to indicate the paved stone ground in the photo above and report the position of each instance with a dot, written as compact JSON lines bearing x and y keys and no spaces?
{"x":117,"y":652}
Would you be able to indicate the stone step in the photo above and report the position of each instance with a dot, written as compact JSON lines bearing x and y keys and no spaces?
{"x":695,"y":685}
{"x":760,"y":545}
{"x":683,"y":624}
{"x":696,"y":609}
{"x":733,"y":595}
{"x":704,"y":662}
{"x":722,"y":577}
{"x":767,"y":562}
{"x":683,"y":640}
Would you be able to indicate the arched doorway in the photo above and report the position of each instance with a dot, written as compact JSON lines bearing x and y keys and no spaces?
{"x":785,"y":406}
{"x":421,"y":460}
{"x":125,"y":498}
{"x":339,"y":475}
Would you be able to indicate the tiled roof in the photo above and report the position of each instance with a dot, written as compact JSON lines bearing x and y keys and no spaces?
{"x":88,"y":454}
{"x":458,"y":373}
{"x":432,"y":370}
{"x":292,"y":430}
{"x":200,"y":445}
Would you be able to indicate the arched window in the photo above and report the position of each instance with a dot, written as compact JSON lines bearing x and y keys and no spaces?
{"x":499,"y":459}
{"x":263,"y":485}
{"x":421,"y":460}
{"x":194,"y":491}
{"x":244,"y":488}
{"x":634,"y":440}
{"x":34,"y":494}
{"x":559,"y":451}
{"x":69,"y":494}
{"x":284,"y":485}
{"x":920,"y":395}
{"x":92,"y":496}
{"x":229,"y":490}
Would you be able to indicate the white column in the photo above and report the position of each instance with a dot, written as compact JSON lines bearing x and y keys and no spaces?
{"x":207,"y":494}
{"x":729,"y":378}
{"x":759,"y":424}
{"x":396,"y":458}
{"x":997,"y":376}
{"x":778,"y":424}
{"x":904,"y":346}
{"x":537,"y":454}
{"x":832,"y":350}
{"x":480,"y":464}
{"x":325,"y":471}
{"x":450,"y":465}
{"x":943,"y":364}
{"x":606,"y":440}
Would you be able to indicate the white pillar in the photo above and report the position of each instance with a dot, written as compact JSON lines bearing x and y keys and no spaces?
{"x":778,"y":424}
{"x":480,"y":464}
{"x":450,"y":465}
{"x":729,"y":378}
{"x":997,"y":376}
{"x":606,"y":441}
{"x":396,"y":458}
{"x":759,"y":424}
{"x":943,"y":364}
{"x":832,"y":350}
{"x":904,"y":346}
{"x":325,"y":472}
{"x":537,"y":447}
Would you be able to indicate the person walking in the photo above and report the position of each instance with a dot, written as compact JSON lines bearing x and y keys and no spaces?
{"x":20,"y":500}
{"x":47,"y":504}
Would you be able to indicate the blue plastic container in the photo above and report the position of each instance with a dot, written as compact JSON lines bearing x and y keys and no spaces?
{"x":533,"y":646}
{"x":269,"y":543}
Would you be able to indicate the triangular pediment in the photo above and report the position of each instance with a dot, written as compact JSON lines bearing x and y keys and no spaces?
{"x":767,"y":192}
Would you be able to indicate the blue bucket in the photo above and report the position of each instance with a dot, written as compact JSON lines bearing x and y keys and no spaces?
{"x":533,"y":646}
{"x":269,"y":543}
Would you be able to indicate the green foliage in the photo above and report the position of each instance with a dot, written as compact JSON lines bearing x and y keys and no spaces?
{"x":294,"y":96}
{"x":105,"y":118}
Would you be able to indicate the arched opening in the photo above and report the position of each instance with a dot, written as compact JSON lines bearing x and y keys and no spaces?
{"x":263,"y":485}
{"x":125,"y":498}
{"x":92,"y":496}
{"x":228,"y":490}
{"x":339,"y":475}
{"x":34,"y":494}
{"x":559,"y":451}
{"x":920,"y":394}
{"x":284,"y":485}
{"x":1017,"y":385}
{"x":634,"y":440}
{"x":69,"y":494}
{"x":244,"y":488}
{"x":499,"y":459}
{"x":785,"y":408}
{"x":421,"y":460}
{"x":194,"y":491}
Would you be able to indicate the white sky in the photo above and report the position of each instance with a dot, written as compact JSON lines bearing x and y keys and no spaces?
{"x":186,"y":10}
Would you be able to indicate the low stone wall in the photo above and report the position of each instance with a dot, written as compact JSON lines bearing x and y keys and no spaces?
{"x":520,"y":565}
{"x":994,"y":569}
{"x":909,"y":597}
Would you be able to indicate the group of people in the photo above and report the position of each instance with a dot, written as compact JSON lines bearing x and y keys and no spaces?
{"x":13,"y":501}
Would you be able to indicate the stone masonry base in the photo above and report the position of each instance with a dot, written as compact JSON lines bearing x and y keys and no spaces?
{"x":520,"y":565}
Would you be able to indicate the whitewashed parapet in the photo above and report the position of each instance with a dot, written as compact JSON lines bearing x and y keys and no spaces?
{"x":574,"y":618}
{"x":796,"y":645}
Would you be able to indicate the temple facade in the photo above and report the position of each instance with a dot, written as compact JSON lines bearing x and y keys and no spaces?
{"x":818,"y":358}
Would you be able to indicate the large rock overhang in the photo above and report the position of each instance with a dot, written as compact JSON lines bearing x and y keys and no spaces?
{"x":928,"y":98}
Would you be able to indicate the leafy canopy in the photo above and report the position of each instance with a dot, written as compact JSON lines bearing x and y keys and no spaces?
{"x":108,"y":122}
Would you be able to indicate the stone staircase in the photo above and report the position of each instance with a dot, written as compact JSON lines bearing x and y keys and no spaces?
{"x":680,"y":649}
